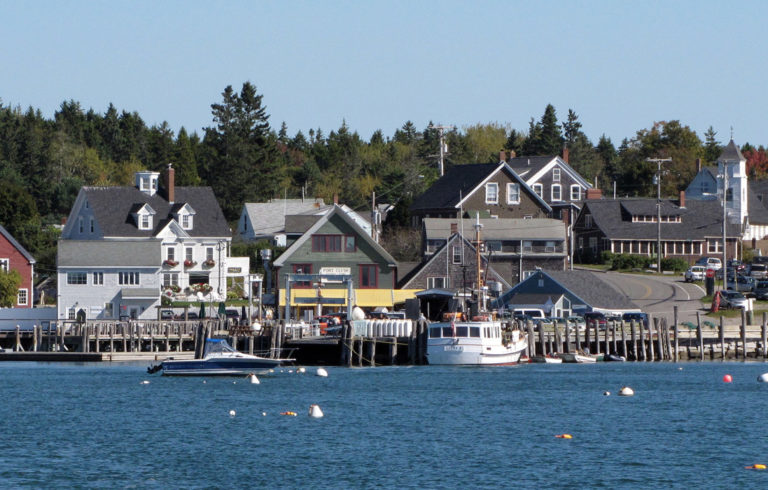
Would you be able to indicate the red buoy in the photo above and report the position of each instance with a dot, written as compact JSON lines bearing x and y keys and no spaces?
{"x":727,"y":378}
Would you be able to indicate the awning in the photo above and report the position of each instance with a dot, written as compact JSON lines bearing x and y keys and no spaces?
{"x":365,"y":298}
{"x":140,"y":293}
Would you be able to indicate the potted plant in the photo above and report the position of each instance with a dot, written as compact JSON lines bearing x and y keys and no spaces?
{"x":210,"y":263}
{"x":189,"y":263}
{"x":170,"y":263}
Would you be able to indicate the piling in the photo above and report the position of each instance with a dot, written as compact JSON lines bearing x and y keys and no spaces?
{"x":721,"y":338}
{"x":677,"y":345}
{"x":623,"y":341}
{"x":699,"y":336}
{"x":763,"y":335}
{"x":392,"y":350}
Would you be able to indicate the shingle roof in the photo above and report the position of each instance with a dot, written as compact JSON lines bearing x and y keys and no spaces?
{"x":457,"y":182}
{"x":17,"y":245}
{"x":731,"y":152}
{"x":499,"y":229}
{"x":300,"y":223}
{"x":268,"y":218}
{"x":112,"y":207}
{"x":592,"y":289}
{"x":527,"y":166}
{"x":109,"y":253}
{"x":699,"y":219}
{"x":758,"y":198}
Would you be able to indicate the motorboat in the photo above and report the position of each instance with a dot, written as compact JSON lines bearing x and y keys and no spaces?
{"x":219,"y":359}
{"x":546,"y":360}
{"x":481,"y":342}
{"x":575,"y":357}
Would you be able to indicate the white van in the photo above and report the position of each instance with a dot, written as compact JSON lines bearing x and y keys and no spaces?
{"x":710,"y":263}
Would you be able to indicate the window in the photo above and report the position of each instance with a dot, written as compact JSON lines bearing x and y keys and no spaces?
{"x":302,"y":269}
{"x":128,"y":278}
{"x":369,"y":276}
{"x":71,"y":314}
{"x":189,"y":254}
{"x":549,"y":247}
{"x":170,"y":253}
{"x":494,"y":245}
{"x":146,"y":222}
{"x":186,"y":221}
{"x":171,"y":279}
{"x":437,"y":282}
{"x":527,"y":274}
{"x":593,"y":242}
{"x":208,"y":253}
{"x":557,"y":193}
{"x":713,"y":246}
{"x":145,"y":183}
{"x":513,"y":193}
{"x":575,"y":192}
{"x":555,"y":175}
{"x":5,"y":265}
{"x":538,"y":189}
{"x":22,"y":298}
{"x":77,"y":278}
{"x":527,"y":246}
{"x":588,"y":221}
{"x":492,"y":193}
{"x":92,"y":226}
{"x":80,"y":224}
{"x":109,"y":310}
{"x":349,"y":244}
{"x":332,"y":243}
{"x":98,"y":278}
{"x":456,"y":255}
{"x":729,"y":195}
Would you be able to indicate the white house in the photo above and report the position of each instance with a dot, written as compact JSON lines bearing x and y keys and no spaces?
{"x":123,"y":247}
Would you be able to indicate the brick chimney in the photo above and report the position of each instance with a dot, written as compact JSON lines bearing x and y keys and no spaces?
{"x":594,"y":194}
{"x":565,"y":154}
{"x":502,"y":156}
{"x":170,"y":184}
{"x":454,"y":228}
{"x":682,"y":199}
{"x":335,"y":199}
{"x":698,"y":165}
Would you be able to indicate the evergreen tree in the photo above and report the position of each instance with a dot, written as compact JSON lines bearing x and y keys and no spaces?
{"x":551,"y":140}
{"x":712,"y":148}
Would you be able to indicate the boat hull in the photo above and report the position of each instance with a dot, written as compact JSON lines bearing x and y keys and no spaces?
{"x":474,"y":351}
{"x":218,"y":367}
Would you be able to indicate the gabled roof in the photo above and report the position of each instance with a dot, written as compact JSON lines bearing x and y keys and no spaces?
{"x":499,"y":229}
{"x":699,"y":219}
{"x":112,"y":208}
{"x":336,"y":210}
{"x":268,"y":218}
{"x":533,"y":168}
{"x":731,"y":153}
{"x":109,"y":253}
{"x":16,"y":245}
{"x":757,"y":194}
{"x":461,"y":181}
{"x":582,"y":286}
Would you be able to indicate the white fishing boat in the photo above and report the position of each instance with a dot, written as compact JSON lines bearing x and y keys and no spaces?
{"x":482,"y":343}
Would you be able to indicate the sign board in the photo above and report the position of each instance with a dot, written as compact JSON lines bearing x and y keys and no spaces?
{"x":336,"y":271}
{"x":234,"y":270}
{"x":710,"y":272}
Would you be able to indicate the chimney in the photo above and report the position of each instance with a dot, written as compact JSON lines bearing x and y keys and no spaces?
{"x":682,"y":199}
{"x":336,"y":198}
{"x":170,"y":184}
{"x":565,"y":154}
{"x":454,"y":228}
{"x":594,"y":194}
{"x":698,"y":165}
{"x":502,"y":156}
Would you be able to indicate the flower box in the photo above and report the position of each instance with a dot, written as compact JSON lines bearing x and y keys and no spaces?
{"x":170,"y":263}
{"x":209,"y":263}
{"x":201,"y":288}
{"x":189,"y":263}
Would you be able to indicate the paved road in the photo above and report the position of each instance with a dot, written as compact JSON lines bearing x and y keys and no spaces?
{"x":659,"y":294}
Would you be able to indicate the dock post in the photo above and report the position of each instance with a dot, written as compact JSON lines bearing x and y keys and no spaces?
{"x":613,"y":338}
{"x":558,"y":340}
{"x":624,"y":341}
{"x":743,"y":332}
{"x":372,"y":352}
{"x":660,"y":324}
{"x":566,"y":344}
{"x":699,"y":336}
{"x":98,"y":336}
{"x":674,"y":327}
{"x":18,"y":348}
{"x":424,"y":334}
{"x":577,"y":338}
{"x":653,"y":327}
{"x":250,"y":344}
{"x":34,"y":337}
{"x":763,"y":335}
{"x":641,"y":334}
{"x":531,"y":339}
{"x":542,"y":345}
{"x":587,"y":337}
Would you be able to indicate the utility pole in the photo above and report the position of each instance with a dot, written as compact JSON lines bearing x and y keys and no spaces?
{"x":658,"y":161}
{"x":724,"y":267}
{"x":443,"y":146}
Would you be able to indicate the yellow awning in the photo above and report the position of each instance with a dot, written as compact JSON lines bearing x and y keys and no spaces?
{"x":365,"y":298}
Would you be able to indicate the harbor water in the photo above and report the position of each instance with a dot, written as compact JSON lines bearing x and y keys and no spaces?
{"x":99,"y":426}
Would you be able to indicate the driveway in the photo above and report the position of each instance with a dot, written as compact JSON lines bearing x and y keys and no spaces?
{"x":658,"y":295}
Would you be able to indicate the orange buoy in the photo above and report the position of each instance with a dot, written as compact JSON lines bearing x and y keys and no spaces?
{"x":757,"y":466}
{"x":727,"y":378}
{"x":291,"y":414}
{"x":564,"y":436}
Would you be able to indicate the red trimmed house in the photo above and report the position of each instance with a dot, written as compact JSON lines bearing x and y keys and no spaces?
{"x":14,"y":257}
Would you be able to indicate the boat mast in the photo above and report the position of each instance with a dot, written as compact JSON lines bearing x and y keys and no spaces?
{"x":480,"y":295}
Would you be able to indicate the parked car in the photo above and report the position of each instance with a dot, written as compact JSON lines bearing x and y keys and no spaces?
{"x":166,"y":314}
{"x":761,"y":259}
{"x":695,"y":273}
{"x":595,"y":318}
{"x":637,"y":317}
{"x":758,"y":271}
{"x":761,"y":290}
{"x":744,"y":284}
{"x":736,"y":265}
{"x":577,"y":322}
{"x":191,"y":315}
{"x":732,"y":299}
{"x":232,"y":315}
{"x":710,"y":263}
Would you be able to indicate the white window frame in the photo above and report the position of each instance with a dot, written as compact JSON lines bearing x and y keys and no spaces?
{"x":577,"y":194}
{"x":189,"y":254}
{"x":71,"y":313}
{"x":431,"y":282}
{"x":170,"y":279}
{"x":456,"y":254}
{"x":556,"y":174}
{"x":5,"y":264}
{"x":129,"y":279}
{"x":527,"y":246}
{"x":538,"y":189}
{"x":145,"y":222}
{"x":208,"y":253}
{"x":549,"y":247}
{"x":527,"y":274}
{"x":22,"y":298}
{"x":559,"y":189}
{"x":186,"y":221}
{"x":513,"y":190}
{"x":170,"y":253}
{"x":492,"y":197}
{"x":71,"y":276}
{"x":97,"y":278}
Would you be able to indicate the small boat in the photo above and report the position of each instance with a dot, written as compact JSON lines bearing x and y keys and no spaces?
{"x":546,"y":359}
{"x":482,"y":342}
{"x":613,"y":358}
{"x":219,"y":359}
{"x":575,"y":357}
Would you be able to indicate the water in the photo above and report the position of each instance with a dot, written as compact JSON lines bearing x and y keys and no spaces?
{"x":413,"y":427}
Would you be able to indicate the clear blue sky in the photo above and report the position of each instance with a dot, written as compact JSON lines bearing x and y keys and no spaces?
{"x":621,"y":65}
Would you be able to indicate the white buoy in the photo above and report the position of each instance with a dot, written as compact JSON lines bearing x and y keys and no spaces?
{"x":232,"y":413}
{"x":301,"y":370}
{"x":626,"y":391}
{"x":315,"y":412}
{"x":322,"y":372}
{"x":145,"y":382}
{"x":263,"y":414}
{"x":606,"y":393}
{"x":763,"y":378}
{"x":358,"y":313}
{"x":254,"y":379}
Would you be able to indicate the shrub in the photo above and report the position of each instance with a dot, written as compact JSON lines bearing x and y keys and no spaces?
{"x":626,"y":261}
{"x":674,"y":264}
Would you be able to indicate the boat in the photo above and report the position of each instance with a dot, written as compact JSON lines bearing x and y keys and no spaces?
{"x":219,"y":359}
{"x":579,"y":358}
{"x":478,"y":342}
{"x":546,"y":359}
{"x":614,"y":358}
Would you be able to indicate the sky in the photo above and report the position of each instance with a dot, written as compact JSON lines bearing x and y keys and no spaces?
{"x":620,"y":65}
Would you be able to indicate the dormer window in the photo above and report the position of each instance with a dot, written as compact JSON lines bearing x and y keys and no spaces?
{"x":143,"y":214}
{"x":186,"y":222}
{"x":146,"y":182}
{"x":184,"y":215}
{"x":146,"y":222}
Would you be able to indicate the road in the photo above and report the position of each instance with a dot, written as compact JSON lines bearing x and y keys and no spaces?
{"x":658,"y":295}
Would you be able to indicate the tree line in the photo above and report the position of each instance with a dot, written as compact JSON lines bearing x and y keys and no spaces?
{"x":44,"y":162}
